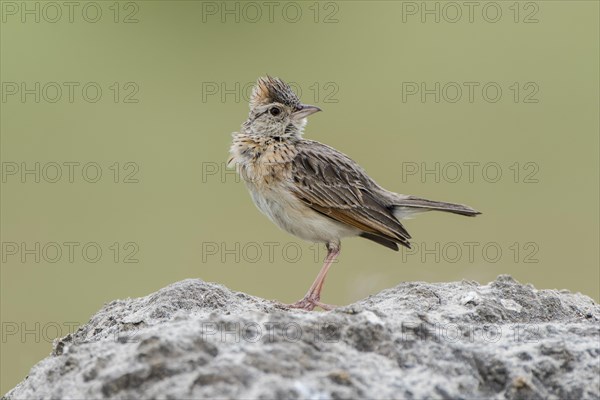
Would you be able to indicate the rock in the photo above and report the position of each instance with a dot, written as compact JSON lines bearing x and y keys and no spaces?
{"x":195,"y":339}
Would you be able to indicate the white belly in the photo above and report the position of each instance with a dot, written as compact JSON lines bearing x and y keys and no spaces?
{"x":293,"y":216}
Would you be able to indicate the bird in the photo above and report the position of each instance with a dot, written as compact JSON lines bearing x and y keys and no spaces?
{"x":312,"y":190}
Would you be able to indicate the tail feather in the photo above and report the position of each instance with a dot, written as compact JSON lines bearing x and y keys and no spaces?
{"x":406,"y":206}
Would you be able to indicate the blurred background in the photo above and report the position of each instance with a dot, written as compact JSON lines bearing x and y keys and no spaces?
{"x":117,"y":117}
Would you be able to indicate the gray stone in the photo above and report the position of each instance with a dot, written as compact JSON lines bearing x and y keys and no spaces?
{"x":461,"y":340}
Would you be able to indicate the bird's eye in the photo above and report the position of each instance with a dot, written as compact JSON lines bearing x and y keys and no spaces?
{"x":275,"y":111}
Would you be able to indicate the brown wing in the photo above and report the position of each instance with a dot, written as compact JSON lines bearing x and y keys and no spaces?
{"x":332,"y":184}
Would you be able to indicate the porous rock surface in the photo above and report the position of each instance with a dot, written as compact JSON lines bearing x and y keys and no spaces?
{"x":461,"y":340}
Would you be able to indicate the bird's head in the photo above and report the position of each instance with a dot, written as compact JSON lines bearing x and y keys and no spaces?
{"x":275,"y":110}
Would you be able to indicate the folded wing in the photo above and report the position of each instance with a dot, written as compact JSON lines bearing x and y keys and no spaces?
{"x":332,"y":184}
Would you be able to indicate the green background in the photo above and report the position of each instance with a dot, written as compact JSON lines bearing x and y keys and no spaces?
{"x":176,"y":130}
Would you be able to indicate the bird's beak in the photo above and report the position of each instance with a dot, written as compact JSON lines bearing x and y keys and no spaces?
{"x":304,"y":111}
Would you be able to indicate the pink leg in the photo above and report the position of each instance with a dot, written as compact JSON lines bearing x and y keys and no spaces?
{"x":312,"y":297}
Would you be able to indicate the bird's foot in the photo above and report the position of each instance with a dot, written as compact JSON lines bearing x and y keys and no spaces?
{"x":309,"y":304}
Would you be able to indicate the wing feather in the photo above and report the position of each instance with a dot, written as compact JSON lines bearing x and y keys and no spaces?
{"x":332,"y":184}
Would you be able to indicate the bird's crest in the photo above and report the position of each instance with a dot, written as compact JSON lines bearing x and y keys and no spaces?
{"x":269,"y":90}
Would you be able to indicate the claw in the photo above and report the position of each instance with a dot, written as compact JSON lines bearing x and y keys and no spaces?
{"x":309,"y":304}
